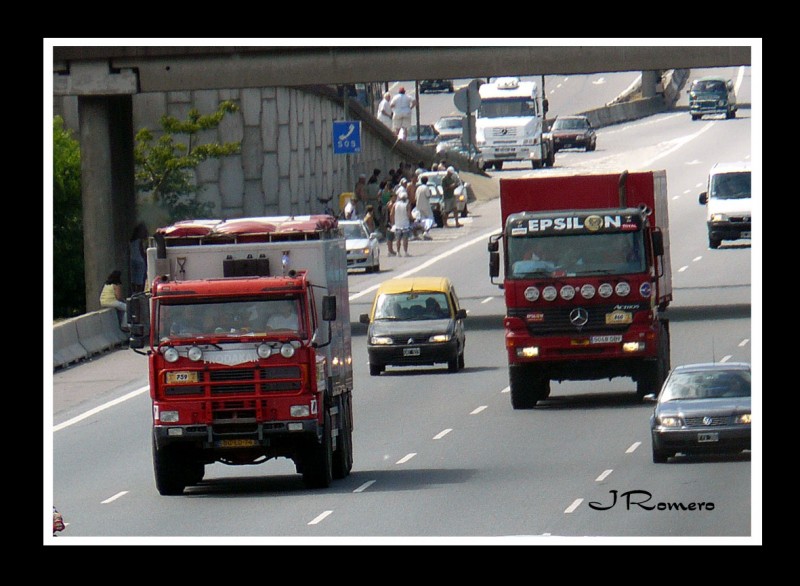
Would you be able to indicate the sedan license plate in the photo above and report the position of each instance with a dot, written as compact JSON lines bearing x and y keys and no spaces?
{"x":707,"y":437}
{"x":237,"y":443}
{"x":410,"y":351}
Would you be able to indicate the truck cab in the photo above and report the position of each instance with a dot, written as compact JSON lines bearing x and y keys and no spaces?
{"x":728,"y":203}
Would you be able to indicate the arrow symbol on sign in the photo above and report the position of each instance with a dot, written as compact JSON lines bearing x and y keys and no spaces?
{"x":349,"y":132}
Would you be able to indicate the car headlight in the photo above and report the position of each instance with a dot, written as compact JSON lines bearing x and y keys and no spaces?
{"x":669,"y":421}
{"x":719,"y":217}
{"x":439,"y":338}
{"x":380,"y":340}
{"x":366,"y":251}
{"x":745,"y":418}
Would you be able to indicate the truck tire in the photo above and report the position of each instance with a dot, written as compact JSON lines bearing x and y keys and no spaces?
{"x":654,"y":373}
{"x":169,"y":470}
{"x":343,"y":456}
{"x":551,"y":157}
{"x":498,"y":165}
{"x":527,"y":388}
{"x":318,"y":458}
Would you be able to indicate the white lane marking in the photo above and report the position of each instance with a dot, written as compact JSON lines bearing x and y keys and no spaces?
{"x":633,"y":447}
{"x":575,"y":504}
{"x":506,"y":390}
{"x":442,"y":433}
{"x":319,"y":517}
{"x":603,"y":476}
{"x":678,"y":144}
{"x":96,"y":410}
{"x":487,"y":300}
{"x":726,"y":358}
{"x":695,"y":259}
{"x":478,"y":410}
{"x":113,"y":498}
{"x":429,"y":262}
{"x":744,"y":342}
{"x":364,"y":486}
{"x":406,"y":458}
{"x":683,"y":268}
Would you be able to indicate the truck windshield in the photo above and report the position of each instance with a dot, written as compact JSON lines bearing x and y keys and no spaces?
{"x":227,"y":318}
{"x":730,"y":185}
{"x":575,"y":255}
{"x":506,"y":107}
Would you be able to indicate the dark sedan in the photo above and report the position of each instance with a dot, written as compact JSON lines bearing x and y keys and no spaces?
{"x":436,"y":85}
{"x":573,"y":132}
{"x":702,"y":408}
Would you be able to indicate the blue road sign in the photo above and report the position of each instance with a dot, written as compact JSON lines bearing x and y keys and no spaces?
{"x":346,"y":137}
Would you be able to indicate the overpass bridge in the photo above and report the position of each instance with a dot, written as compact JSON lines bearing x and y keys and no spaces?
{"x":106,"y":79}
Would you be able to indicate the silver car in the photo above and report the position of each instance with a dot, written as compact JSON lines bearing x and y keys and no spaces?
{"x":702,"y":408}
{"x":363,"y":248}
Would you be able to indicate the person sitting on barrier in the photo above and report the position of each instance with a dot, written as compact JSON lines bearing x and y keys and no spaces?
{"x":111,"y":296}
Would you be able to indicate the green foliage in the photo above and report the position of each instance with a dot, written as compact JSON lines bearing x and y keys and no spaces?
{"x":69,"y":291}
{"x":165,"y":167}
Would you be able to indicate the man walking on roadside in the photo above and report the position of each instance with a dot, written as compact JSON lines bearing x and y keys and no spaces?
{"x":449,"y":183}
{"x":401,"y":106}
{"x":424,"y":207}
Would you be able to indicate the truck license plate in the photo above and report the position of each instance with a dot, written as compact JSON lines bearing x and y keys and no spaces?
{"x":707,"y":437}
{"x":237,"y":443}
{"x":410,"y":351}
{"x":605,"y":339}
{"x":182,"y":377}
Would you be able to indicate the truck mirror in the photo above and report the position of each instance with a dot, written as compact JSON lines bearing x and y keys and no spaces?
{"x":364,"y":318}
{"x":703,"y":199}
{"x":494,"y":264}
{"x":329,"y":308}
{"x":545,"y":106}
{"x":492,"y":246}
{"x":138,"y":319}
{"x":658,"y":243}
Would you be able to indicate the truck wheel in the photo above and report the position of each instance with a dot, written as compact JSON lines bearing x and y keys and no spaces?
{"x":169,"y":471}
{"x":655,"y":373}
{"x":526,"y":388}
{"x":536,"y":164}
{"x":318,"y":459}
{"x":343,"y":456}
{"x":551,"y":158}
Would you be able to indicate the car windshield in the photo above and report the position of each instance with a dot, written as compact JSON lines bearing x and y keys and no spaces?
{"x":226,"y":318}
{"x":450,"y":123}
{"x":506,"y":107}
{"x":730,"y":185}
{"x":416,"y":305}
{"x":570,"y":124}
{"x":712,"y":384}
{"x":708,"y":86}
{"x":576,"y":254}
{"x":355,"y":231}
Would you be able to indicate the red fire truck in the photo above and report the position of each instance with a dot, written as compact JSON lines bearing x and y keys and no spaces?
{"x":587,"y":280}
{"x":247,"y":329}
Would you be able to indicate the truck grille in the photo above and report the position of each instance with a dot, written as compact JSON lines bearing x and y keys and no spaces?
{"x":504,"y":132}
{"x":241,"y":381}
{"x":557,"y":320}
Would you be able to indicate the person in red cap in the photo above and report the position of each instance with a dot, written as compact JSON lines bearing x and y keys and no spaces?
{"x":401,"y":106}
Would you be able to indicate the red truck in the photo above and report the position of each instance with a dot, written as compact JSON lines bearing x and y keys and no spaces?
{"x":587,"y":280}
{"x":247,"y":329}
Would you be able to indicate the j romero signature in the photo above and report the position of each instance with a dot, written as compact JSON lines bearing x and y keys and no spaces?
{"x":642,"y":498}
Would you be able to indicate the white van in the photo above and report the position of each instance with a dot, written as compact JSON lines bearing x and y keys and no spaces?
{"x":727,"y":201}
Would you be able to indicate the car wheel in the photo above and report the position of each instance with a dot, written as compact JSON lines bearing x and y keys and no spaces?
{"x":452,"y":365}
{"x":714,"y":242}
{"x":376,"y":268}
{"x":730,"y":114}
{"x":376,"y":369}
{"x":498,"y":165}
{"x":461,"y":361}
{"x":696,"y":117}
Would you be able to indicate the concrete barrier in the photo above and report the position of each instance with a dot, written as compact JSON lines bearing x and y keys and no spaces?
{"x":66,"y":346}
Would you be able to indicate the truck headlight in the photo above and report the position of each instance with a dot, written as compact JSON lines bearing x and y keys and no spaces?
{"x":633,"y":347}
{"x":264,"y":351}
{"x":528,"y":352}
{"x":171,"y":354}
{"x":299,"y":411}
{"x":168,"y":417}
{"x":287,"y":350}
{"x":195,"y":353}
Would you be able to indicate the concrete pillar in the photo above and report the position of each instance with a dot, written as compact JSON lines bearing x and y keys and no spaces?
{"x":106,"y":188}
{"x":650,"y":79}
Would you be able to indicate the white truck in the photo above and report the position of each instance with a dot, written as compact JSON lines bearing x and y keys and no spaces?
{"x":728,"y":203}
{"x":246,"y":325}
{"x":510,"y":124}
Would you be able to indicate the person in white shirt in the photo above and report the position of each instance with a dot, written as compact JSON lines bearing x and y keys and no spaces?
{"x":385,"y":110}
{"x":284,"y":318}
{"x":424,"y":207}
{"x":401,"y":106}
{"x":401,"y":221}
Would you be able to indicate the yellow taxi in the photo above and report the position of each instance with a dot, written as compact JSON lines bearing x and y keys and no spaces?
{"x":415,"y":321}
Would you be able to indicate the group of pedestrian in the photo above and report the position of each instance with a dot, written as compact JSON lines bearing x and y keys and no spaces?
{"x":111,"y":293}
{"x":395,"y":111}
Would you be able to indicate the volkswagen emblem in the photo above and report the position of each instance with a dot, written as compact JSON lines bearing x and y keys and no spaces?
{"x":707,"y":420}
{"x":503,"y":131}
{"x":578,"y":317}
